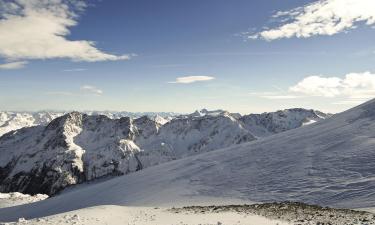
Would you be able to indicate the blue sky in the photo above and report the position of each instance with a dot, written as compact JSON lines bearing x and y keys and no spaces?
{"x":137,"y":55}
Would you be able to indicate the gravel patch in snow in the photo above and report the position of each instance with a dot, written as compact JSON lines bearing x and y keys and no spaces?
{"x":291,"y":212}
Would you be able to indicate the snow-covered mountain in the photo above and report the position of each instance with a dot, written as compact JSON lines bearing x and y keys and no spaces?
{"x":265,"y":124}
{"x":329,"y":162}
{"x":15,"y":120}
{"x":78,"y":147}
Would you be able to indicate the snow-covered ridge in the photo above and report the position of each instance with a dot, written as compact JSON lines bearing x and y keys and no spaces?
{"x":78,"y":147}
{"x":10,"y":121}
{"x":265,"y":124}
{"x":15,"y":120}
{"x":293,"y":118}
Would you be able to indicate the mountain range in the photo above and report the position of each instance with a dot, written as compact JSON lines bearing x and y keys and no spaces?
{"x":45,"y":157}
{"x":329,"y":162}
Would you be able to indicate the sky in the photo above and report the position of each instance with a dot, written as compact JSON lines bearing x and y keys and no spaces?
{"x":178,"y":56}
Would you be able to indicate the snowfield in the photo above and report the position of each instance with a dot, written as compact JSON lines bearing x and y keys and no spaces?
{"x":114,"y":215}
{"x":327,"y":163}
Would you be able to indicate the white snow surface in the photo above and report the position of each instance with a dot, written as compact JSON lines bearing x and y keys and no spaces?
{"x":114,"y":215}
{"x":328,"y":163}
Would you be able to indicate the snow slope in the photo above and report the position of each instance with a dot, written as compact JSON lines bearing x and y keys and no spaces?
{"x":328,"y":163}
{"x":114,"y":215}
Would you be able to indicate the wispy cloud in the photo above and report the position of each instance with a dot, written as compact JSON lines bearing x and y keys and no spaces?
{"x":191,"y":79}
{"x":35,"y":29}
{"x":75,"y":70}
{"x":323,"y":17}
{"x":13,"y":65}
{"x":91,"y":89}
{"x":84,"y":90}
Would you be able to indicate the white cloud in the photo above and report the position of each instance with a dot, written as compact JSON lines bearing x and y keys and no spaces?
{"x":13,"y":65}
{"x":191,"y":79}
{"x":319,"y":86}
{"x":352,"y":86}
{"x":38,"y":29}
{"x":91,"y":89}
{"x":352,"y":89}
{"x":323,"y":17}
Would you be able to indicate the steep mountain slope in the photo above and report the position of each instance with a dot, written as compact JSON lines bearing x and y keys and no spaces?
{"x":77,"y":147}
{"x":330,"y":163}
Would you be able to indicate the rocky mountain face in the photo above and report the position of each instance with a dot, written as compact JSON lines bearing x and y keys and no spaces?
{"x":77,"y":147}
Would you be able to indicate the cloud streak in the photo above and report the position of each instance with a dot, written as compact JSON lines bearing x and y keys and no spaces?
{"x":84,"y":90}
{"x":323,"y":17}
{"x":191,"y":79}
{"x":38,"y":29}
{"x":91,"y":90}
{"x":13,"y":65}
{"x":75,"y":70}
